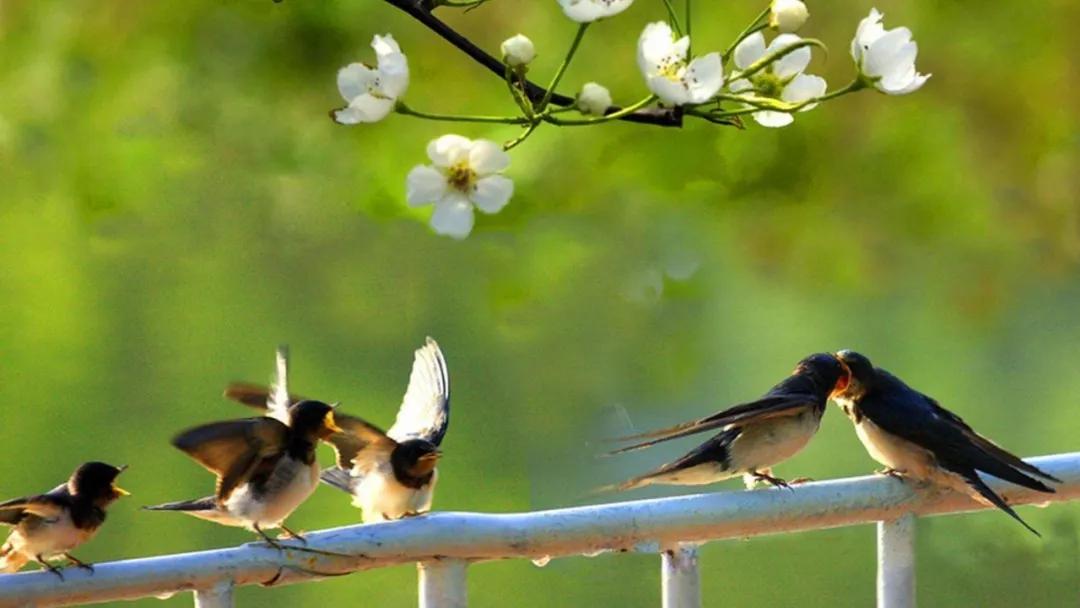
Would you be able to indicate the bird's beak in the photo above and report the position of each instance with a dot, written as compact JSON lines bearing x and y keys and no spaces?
{"x":843,"y":382}
{"x":122,"y":468}
{"x":437,"y":454}
{"x":120,"y":491}
{"x":330,"y":423}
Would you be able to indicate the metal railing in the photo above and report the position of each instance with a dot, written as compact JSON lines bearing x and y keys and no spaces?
{"x":444,"y":544}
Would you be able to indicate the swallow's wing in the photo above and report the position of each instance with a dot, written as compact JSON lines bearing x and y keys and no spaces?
{"x":44,"y":506}
{"x":359,"y":436}
{"x":770,"y":406}
{"x":911,"y":415}
{"x":425,"y":410}
{"x":255,"y":395}
{"x":277,"y":406}
{"x":232,"y":450}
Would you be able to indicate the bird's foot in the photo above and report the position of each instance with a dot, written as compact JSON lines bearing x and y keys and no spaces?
{"x":268,"y":539}
{"x":50,"y":567}
{"x":78,"y":562}
{"x":776,"y":482}
{"x":295,"y":535}
{"x":890,"y":472}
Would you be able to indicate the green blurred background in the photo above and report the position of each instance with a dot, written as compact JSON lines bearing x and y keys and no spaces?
{"x":174,"y":202}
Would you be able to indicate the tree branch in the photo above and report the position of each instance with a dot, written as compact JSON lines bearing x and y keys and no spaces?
{"x":421,"y":11}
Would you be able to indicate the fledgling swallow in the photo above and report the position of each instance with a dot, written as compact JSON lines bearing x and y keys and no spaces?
{"x":51,"y":525}
{"x":914,"y":437}
{"x":265,"y":467}
{"x":755,"y":436}
{"x":390,"y":474}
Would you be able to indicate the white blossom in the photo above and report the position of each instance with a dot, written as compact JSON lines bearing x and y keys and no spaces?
{"x":586,"y":11}
{"x":593,"y":99}
{"x":781,"y":80}
{"x":463,"y":173}
{"x":663,"y":61}
{"x":372,"y":92}
{"x":518,"y":51}
{"x":787,"y":15}
{"x":886,"y":57}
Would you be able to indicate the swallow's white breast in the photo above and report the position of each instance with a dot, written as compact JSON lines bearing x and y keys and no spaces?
{"x":380,"y":496}
{"x":289,"y":486}
{"x":763,"y":444}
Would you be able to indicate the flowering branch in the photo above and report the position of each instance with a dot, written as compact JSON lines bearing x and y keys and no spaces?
{"x":421,"y":11}
{"x":762,"y":78}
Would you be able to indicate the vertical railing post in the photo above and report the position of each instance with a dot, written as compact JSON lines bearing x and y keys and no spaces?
{"x":443,"y":583}
{"x":218,"y":596}
{"x":680,"y":584}
{"x":896,"y":562}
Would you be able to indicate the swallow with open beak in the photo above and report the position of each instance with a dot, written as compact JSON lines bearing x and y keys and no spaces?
{"x":914,"y":437}
{"x":390,"y":474}
{"x":52,"y":524}
{"x":265,"y":466}
{"x":754,"y":436}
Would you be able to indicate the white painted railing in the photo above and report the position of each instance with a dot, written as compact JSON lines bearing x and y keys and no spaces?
{"x":444,"y":544}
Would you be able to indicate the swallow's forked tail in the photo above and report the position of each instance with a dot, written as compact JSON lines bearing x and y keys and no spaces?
{"x":199,"y":504}
{"x":989,"y":496}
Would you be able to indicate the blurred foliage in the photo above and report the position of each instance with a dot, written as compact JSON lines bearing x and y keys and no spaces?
{"x":175,"y":202}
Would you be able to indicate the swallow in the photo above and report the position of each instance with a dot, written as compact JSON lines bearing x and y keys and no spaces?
{"x":914,"y":437}
{"x":51,"y":525}
{"x":754,"y":436}
{"x":390,"y":474}
{"x":265,"y":466}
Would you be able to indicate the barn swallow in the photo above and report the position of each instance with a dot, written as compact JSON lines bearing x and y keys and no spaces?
{"x":390,"y":474}
{"x":50,"y":525}
{"x":914,"y":437}
{"x":265,"y":466}
{"x":754,"y":436}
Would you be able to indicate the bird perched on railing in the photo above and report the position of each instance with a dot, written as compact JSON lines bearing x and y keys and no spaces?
{"x":390,"y":474}
{"x":52,"y":524}
{"x":914,"y":437}
{"x":755,"y":436}
{"x":265,"y":467}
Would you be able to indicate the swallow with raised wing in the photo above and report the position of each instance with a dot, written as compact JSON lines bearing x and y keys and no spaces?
{"x":914,"y":437}
{"x":265,"y":466}
{"x":51,"y":525}
{"x":754,"y":436}
{"x":390,"y":474}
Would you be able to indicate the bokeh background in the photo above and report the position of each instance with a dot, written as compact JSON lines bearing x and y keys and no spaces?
{"x":174,"y":202}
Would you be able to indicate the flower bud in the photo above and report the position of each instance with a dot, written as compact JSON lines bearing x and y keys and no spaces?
{"x":593,"y":99}
{"x":787,"y":15}
{"x":518,"y":51}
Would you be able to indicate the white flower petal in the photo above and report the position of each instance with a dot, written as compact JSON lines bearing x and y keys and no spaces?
{"x":518,"y":50}
{"x":655,"y":48}
{"x":385,"y":45}
{"x":794,"y":62}
{"x":741,"y":84}
{"x":492,"y":193}
{"x":704,"y":77}
{"x":915,"y":84}
{"x":424,"y":185}
{"x":671,"y":92}
{"x":449,"y":150}
{"x":365,"y":108}
{"x":767,"y":118}
{"x":353,"y":80}
{"x":885,"y":52}
{"x":586,"y":11}
{"x":869,"y":30}
{"x":393,"y":75}
{"x":749,"y":50}
{"x":802,"y":88}
{"x":453,"y":216}
{"x":487,"y":157}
